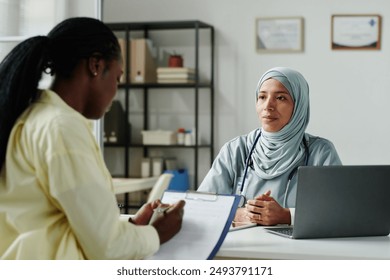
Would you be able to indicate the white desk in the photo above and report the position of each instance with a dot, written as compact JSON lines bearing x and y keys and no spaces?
{"x":256,"y":243}
{"x":128,"y":185}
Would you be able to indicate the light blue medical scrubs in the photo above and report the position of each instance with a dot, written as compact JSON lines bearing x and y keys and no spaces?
{"x":227,"y":171}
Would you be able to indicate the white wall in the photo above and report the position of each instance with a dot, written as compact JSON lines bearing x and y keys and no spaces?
{"x":350,"y":90}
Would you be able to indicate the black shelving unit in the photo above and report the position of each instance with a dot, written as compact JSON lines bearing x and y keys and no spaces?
{"x":127,"y":86}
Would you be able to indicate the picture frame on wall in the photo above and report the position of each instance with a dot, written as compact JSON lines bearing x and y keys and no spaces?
{"x":356,"y":32}
{"x":279,"y":34}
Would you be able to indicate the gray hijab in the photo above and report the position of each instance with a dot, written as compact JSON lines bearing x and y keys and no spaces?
{"x":279,"y":152}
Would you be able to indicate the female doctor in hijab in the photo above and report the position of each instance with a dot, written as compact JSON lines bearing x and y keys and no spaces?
{"x":262,"y":165}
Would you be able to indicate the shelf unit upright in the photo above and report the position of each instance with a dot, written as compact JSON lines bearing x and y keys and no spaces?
{"x":127,"y":86}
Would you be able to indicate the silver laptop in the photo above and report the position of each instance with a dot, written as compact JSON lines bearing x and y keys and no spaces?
{"x":340,"y":201}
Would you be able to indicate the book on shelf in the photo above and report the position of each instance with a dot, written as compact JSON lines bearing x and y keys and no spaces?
{"x":175,"y":81}
{"x":165,"y":70}
{"x":176,"y":76}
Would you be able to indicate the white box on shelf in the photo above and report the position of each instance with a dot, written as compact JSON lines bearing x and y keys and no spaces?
{"x":158,"y":137}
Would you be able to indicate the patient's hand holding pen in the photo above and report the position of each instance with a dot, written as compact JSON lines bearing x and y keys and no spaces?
{"x":157,"y":212}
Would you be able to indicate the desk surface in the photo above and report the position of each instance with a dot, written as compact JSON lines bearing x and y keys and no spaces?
{"x":256,"y":243}
{"x":128,"y":185}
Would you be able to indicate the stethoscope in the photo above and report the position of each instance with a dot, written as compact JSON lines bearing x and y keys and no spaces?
{"x":248,"y":163}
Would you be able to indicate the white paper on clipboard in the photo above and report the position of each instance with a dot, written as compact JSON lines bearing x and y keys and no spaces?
{"x":206,"y":221}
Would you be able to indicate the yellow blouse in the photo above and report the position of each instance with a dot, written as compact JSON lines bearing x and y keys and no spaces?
{"x":56,"y":194}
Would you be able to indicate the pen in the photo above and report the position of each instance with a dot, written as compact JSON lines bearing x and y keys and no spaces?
{"x":157,"y":212}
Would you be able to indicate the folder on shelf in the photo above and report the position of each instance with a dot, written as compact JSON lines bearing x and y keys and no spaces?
{"x":206,"y":221}
{"x":116,"y":124}
{"x":142,"y":65}
{"x":122,"y":44}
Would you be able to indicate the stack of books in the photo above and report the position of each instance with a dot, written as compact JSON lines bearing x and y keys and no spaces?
{"x":175,"y":75}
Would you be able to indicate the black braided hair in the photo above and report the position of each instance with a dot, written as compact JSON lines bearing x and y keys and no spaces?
{"x":58,"y":53}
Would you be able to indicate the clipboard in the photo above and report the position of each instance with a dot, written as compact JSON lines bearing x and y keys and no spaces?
{"x":206,"y":222}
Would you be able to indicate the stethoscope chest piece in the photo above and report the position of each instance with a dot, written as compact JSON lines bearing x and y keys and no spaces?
{"x":242,"y":201}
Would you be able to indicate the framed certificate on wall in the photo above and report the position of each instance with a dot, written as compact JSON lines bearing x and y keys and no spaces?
{"x":360,"y":32}
{"x":279,"y":34}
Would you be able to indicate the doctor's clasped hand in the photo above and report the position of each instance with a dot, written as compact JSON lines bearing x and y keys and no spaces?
{"x":265,"y":210}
